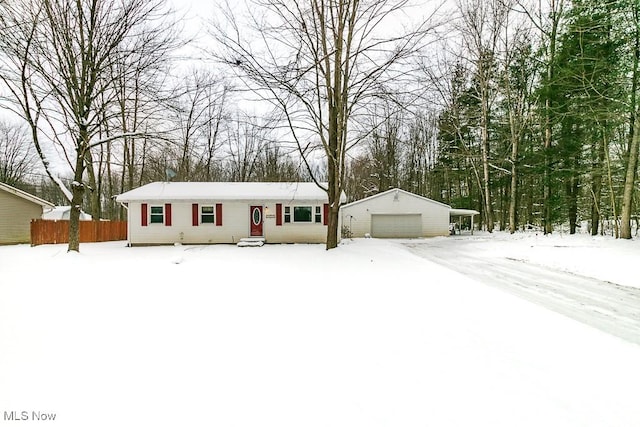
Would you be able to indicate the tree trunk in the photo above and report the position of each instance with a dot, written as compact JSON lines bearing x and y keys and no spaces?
{"x":546,"y":196}
{"x":332,"y":225}
{"x":486,"y":183}
{"x":513,"y":197}
{"x":110,"y":186}
{"x":333,"y":192}
{"x":95,"y":208}
{"x":596,"y":186}
{"x":572,"y":191}
{"x":629,"y":182}
{"x":611,"y":189}
{"x":555,"y":16}
{"x":513,"y":194}
{"x":77,"y":191}
{"x":504,"y":213}
{"x":515,"y":142}
{"x":484,"y":141}
{"x":634,"y":143}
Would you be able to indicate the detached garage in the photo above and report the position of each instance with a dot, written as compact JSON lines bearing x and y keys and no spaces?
{"x":396,"y":214}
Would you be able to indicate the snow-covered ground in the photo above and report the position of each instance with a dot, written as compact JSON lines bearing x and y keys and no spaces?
{"x":533,"y":268}
{"x":369,"y":334}
{"x":600,"y":257}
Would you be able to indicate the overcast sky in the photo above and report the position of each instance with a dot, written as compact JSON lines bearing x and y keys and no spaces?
{"x":196,"y":13}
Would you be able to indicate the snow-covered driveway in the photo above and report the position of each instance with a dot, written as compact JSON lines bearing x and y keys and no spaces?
{"x":608,"y":306}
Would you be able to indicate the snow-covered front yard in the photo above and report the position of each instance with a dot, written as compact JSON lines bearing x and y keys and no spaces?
{"x":368,"y":335}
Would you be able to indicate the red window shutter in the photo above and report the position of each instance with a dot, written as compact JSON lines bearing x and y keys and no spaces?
{"x":218,"y":213}
{"x":194,"y":214}
{"x":325,"y":220}
{"x":167,"y":214}
{"x":144,"y":215}
{"x":278,"y":213}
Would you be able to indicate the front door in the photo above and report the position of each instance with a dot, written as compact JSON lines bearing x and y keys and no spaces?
{"x":256,"y":220}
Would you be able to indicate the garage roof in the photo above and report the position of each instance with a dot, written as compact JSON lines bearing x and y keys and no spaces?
{"x":397,"y":190}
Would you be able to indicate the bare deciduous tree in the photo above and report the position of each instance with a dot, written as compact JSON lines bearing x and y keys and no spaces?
{"x":199,"y":114}
{"x":276,"y":165}
{"x":59,"y":56}
{"x":318,"y":62}
{"x":17,"y":158}
{"x":517,"y":86}
{"x":245,"y":145}
{"x":482,"y":23}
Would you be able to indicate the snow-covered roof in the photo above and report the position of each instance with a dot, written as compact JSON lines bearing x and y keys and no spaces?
{"x":64,"y":212}
{"x":397,"y":190}
{"x":194,"y":191}
{"x":25,"y":195}
{"x":463,"y":212}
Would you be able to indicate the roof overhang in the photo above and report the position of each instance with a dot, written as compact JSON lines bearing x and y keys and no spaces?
{"x":463,"y":212}
{"x":226,"y":191}
{"x":26,"y":196}
{"x":396,"y":191}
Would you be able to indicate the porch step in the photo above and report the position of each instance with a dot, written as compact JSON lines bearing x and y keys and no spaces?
{"x":251,"y":242}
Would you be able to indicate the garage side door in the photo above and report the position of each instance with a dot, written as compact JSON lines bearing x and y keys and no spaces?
{"x":396,"y":225}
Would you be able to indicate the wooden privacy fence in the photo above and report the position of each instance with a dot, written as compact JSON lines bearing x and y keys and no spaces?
{"x":44,"y":231}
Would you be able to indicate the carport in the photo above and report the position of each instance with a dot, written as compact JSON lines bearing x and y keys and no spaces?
{"x":458,"y":215}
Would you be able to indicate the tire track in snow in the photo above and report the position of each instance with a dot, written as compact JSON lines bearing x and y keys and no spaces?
{"x":612,"y":308}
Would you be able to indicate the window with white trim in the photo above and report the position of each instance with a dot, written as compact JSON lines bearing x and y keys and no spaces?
{"x":302,"y":214}
{"x":207,"y":214}
{"x":157,"y":215}
{"x":287,"y":214}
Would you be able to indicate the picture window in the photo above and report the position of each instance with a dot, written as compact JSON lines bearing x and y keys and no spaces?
{"x":302,"y":213}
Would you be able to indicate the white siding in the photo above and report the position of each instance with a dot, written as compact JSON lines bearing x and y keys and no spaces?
{"x":235,"y":225}
{"x":16,"y":214}
{"x":435,"y":216}
{"x":293,"y":232}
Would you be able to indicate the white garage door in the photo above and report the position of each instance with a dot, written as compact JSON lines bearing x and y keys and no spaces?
{"x":396,"y":225}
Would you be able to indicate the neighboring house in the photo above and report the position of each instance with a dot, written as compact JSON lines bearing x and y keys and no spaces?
{"x":396,"y":213}
{"x":17,"y":209}
{"x":64,"y":212}
{"x":225,"y":212}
